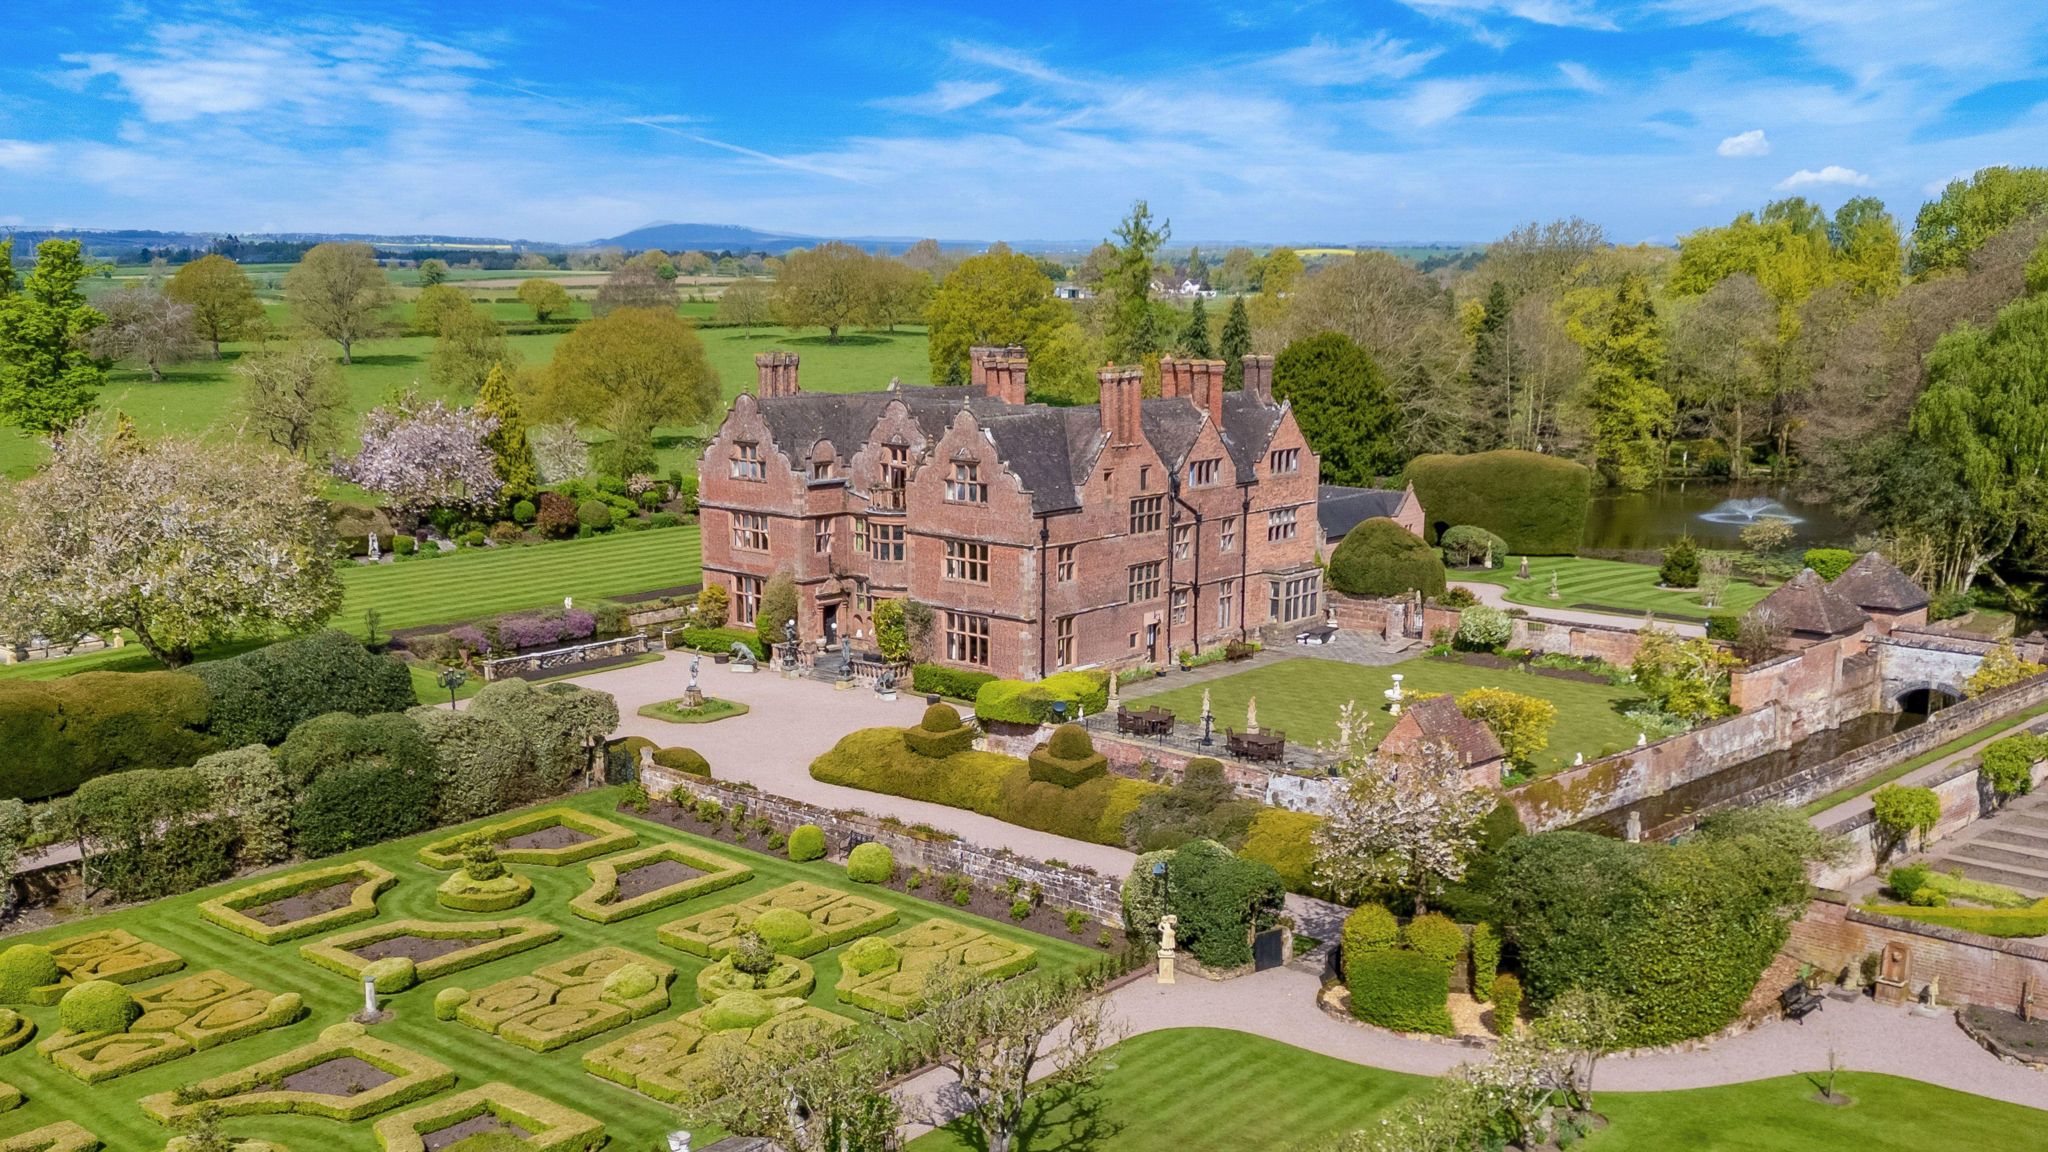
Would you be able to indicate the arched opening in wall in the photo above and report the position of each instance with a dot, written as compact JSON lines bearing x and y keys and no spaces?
{"x":1926,"y":699}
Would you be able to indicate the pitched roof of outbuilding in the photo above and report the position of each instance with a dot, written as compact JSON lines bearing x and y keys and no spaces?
{"x":1875,"y":584}
{"x":1443,"y":725}
{"x":1806,"y":605}
{"x":1340,"y":509}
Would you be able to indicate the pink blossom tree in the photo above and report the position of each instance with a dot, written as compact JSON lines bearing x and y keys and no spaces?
{"x":420,"y":455}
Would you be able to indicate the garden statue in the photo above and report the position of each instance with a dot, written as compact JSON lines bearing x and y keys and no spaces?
{"x":1578,"y":759}
{"x":742,"y":655}
{"x":374,"y":552}
{"x":1524,"y":573}
{"x":846,"y":654}
{"x":1553,"y":586}
{"x":1393,"y":696}
{"x":693,"y":671}
{"x":693,"y":696}
{"x":789,"y":644}
{"x":1166,"y":947}
{"x":1251,"y":715}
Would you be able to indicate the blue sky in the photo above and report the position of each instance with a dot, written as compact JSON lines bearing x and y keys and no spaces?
{"x":1296,"y":122}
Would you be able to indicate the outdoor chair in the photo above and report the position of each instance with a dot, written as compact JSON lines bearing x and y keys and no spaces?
{"x":1798,"y":1000}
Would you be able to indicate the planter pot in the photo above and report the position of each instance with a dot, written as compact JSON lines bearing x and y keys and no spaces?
{"x":886,"y":695}
{"x":721,"y":658}
{"x":1158,"y":672}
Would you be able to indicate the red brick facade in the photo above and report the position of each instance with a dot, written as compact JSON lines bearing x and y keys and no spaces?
{"x":1047,"y":538}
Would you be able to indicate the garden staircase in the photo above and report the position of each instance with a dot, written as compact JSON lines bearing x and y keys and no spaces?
{"x":2010,"y":848}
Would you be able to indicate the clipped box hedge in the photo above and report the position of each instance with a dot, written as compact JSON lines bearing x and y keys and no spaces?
{"x":567,"y":1001}
{"x":227,"y":911}
{"x":241,"y":1093}
{"x":115,"y":954}
{"x":495,"y":939}
{"x":897,"y":989}
{"x":600,"y":902}
{"x":190,"y":1014}
{"x":552,"y":1127}
{"x":957,"y":683}
{"x":939,"y":745}
{"x":664,"y":1060}
{"x":499,"y":894}
{"x":835,"y":917}
{"x":1401,"y":990}
{"x":63,"y":1136}
{"x":605,"y":837}
{"x":16,"y":1029}
{"x":1031,"y":701}
{"x":1535,"y":502}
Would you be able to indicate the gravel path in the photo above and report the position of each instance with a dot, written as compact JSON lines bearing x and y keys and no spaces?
{"x":1494,"y":596}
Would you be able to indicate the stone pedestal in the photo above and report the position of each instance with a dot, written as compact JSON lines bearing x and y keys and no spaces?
{"x":1165,"y":966}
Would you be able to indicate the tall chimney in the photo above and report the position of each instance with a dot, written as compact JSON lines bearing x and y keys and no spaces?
{"x":977,"y":364}
{"x":1169,"y":377}
{"x":1122,"y":389}
{"x":1258,"y":377}
{"x":1005,"y":374}
{"x":777,"y":373}
{"x":1207,"y":391}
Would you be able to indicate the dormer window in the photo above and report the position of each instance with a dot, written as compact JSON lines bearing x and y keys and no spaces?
{"x":821,"y":469}
{"x":1284,"y":461}
{"x":1202,"y":473}
{"x":747,"y":463}
{"x":965,"y":485}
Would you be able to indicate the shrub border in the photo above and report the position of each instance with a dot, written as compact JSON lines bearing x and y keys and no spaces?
{"x":446,"y":854}
{"x":226,"y":911}
{"x":553,"y":1127}
{"x":719,"y":872}
{"x":63,"y":1136}
{"x":417,"y":1077}
{"x":333,"y":953}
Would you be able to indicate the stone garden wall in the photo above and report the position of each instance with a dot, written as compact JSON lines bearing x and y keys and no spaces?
{"x":1963,"y":803}
{"x":1099,"y":896}
{"x":1617,"y":646}
{"x":1972,"y":969}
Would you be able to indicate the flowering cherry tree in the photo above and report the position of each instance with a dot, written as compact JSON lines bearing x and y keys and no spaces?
{"x":1407,"y":823}
{"x":181,"y":543}
{"x":421,"y":455}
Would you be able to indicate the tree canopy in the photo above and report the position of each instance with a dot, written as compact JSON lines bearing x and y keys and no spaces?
{"x":999,"y":297}
{"x":338,"y":291}
{"x":223,"y":302}
{"x":629,"y":371}
{"x":1344,"y":406}
{"x":47,"y":378}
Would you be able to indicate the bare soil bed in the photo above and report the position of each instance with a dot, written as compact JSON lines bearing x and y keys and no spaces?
{"x":556,"y":836}
{"x":305,"y":905}
{"x":654,"y":877}
{"x":482,"y":1125}
{"x":341,"y":1076}
{"x":414,"y":948}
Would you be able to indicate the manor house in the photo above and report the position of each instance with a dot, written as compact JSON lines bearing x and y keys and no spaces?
{"x":1041,"y":537}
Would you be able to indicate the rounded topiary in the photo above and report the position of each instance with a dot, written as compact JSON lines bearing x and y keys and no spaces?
{"x":449,"y":1001}
{"x":97,"y":1006}
{"x":346,"y":1030}
{"x":782,"y":925}
{"x":1381,"y":558}
{"x":1436,"y":936}
{"x":737,"y":1010}
{"x":806,"y":842}
{"x":1507,"y":1001}
{"x":687,"y":760}
{"x":870,"y":863}
{"x":1071,"y":742}
{"x":1468,"y":544}
{"x":392,"y":974}
{"x":285,"y":1006}
{"x":940,"y":718}
{"x":25,"y":968}
{"x":869,"y":954}
{"x":630,"y":982}
{"x":1369,"y":929}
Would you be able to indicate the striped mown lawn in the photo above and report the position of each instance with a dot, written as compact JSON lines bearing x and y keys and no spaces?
{"x":1202,"y":1088}
{"x":465,"y":585}
{"x":636,"y":1123}
{"x":1607,"y":586}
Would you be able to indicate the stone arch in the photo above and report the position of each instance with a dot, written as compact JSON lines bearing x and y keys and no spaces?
{"x":1924,"y":696}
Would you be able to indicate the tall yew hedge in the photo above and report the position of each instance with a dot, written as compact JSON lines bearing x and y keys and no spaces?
{"x":1536,"y":503}
{"x":260,"y":696}
{"x":57,"y":734}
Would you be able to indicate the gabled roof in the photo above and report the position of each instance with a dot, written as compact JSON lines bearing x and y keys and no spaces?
{"x":1875,"y":584}
{"x":1171,"y":426}
{"x":1341,"y":509}
{"x":1805,"y":605}
{"x":1442,"y":725}
{"x":1248,"y":426}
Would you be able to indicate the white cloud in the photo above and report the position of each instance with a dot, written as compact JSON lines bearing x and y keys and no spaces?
{"x":1579,"y":76}
{"x":1832,"y":174}
{"x":22,"y":153}
{"x":1333,"y":63}
{"x":1555,"y":13}
{"x":1750,"y":143}
{"x":945,"y":96}
{"x":1433,"y":102}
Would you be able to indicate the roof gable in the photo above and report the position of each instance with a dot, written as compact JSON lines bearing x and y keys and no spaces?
{"x":1806,"y":605}
{"x":1875,"y":584}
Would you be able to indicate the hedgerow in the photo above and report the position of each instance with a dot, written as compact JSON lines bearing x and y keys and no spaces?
{"x":1534,"y":501}
{"x":60,"y":733}
{"x":1402,"y":990}
{"x":371,"y":881}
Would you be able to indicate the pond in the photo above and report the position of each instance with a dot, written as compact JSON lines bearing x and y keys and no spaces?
{"x":1713,"y":512}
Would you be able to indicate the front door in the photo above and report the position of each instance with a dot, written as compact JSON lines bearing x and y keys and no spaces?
{"x":1152,"y":642}
{"x":831,"y":624}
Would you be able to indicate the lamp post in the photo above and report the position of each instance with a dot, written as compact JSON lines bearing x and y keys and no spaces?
{"x":451,"y":679}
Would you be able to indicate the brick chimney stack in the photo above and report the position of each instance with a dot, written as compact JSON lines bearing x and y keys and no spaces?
{"x":1206,"y":387}
{"x":1173,"y":377}
{"x":777,"y":373}
{"x":981,"y":355}
{"x":1005,"y":375}
{"x":1258,"y":377}
{"x":1123,"y":390}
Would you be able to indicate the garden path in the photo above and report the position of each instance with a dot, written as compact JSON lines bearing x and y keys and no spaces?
{"x":1939,"y":769}
{"x":1493,"y":596}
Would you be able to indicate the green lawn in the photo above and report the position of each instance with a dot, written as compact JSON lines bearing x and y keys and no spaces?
{"x":1189,"y":1088}
{"x":1302,"y":696}
{"x":467,"y":585}
{"x":635,"y":1122}
{"x":1606,"y":586}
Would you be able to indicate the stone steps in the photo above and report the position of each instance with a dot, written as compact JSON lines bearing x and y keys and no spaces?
{"x":2002,"y":857}
{"x":2031,"y":883}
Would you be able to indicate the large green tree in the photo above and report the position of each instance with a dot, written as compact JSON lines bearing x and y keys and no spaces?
{"x":1493,"y":366}
{"x":999,"y":297}
{"x":1344,"y":406}
{"x":1236,"y":342}
{"x":1194,"y":338}
{"x":627,"y":372}
{"x":1631,"y":412}
{"x":224,"y":304}
{"x":338,"y":291}
{"x":1130,"y":326}
{"x":1969,"y":212}
{"x":831,"y":286}
{"x":47,"y":379}
{"x":510,"y":450}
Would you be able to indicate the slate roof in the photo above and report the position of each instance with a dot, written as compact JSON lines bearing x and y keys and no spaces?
{"x":1171,"y":426}
{"x":1341,"y":509}
{"x":1875,"y":584}
{"x":1443,"y":725}
{"x":1248,"y":426}
{"x":1806,"y":606}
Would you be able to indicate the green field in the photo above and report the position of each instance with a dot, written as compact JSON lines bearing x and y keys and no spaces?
{"x":1192,"y":1088}
{"x":1302,"y":695}
{"x":199,"y":397}
{"x":1607,"y":586}
{"x":635,"y":1122}
{"x":467,"y":585}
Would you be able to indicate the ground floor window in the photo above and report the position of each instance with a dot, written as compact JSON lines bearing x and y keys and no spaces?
{"x":966,"y":638}
{"x":746,"y":597}
{"x":1295,"y":597}
{"x":1063,"y":641}
{"x":1180,"y":605}
{"x":1226,"y":605}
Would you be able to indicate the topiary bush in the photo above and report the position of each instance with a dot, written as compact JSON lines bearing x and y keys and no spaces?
{"x":1506,"y":994}
{"x":1436,"y":936}
{"x":940,"y":718}
{"x":61,"y":733}
{"x":1681,"y":566}
{"x":1402,"y":990}
{"x":940,"y":734}
{"x":261,"y":695}
{"x":449,"y":1001}
{"x":870,"y":954}
{"x":1534,"y":501}
{"x":1485,"y":959}
{"x":482,"y":762}
{"x":736,"y":1010}
{"x":25,"y":968}
{"x":685,"y":760}
{"x":1380,"y":558}
{"x":1467,"y":545}
{"x":1069,"y":759}
{"x":1071,"y":742}
{"x":392,"y":974}
{"x":98,"y":1006}
{"x":782,"y":925}
{"x":870,"y":863}
{"x":1370,"y":928}
{"x":630,"y":981}
{"x":956,"y":683}
{"x":1032,"y":701}
{"x":806,"y":842}
{"x":359,"y":780}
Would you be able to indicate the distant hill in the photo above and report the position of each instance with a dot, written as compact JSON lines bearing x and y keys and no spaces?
{"x":671,"y":237}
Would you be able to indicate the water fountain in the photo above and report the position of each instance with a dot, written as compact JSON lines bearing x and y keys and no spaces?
{"x":1748,"y":510}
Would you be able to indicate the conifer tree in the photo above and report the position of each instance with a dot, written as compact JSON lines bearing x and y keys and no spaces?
{"x":47,"y":379}
{"x":1194,"y":339}
{"x":1237,"y":341}
{"x":512,"y":455}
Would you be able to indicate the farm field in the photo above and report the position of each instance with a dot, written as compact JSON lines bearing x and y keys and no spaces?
{"x":468,"y":584}
{"x":1302,"y":695}
{"x":634,"y":1121}
{"x":1258,"y":1093}
{"x":1607,"y":586}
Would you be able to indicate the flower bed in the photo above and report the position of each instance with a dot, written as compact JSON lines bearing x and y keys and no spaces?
{"x":529,"y":839}
{"x":247,"y":1093}
{"x":897,"y":989}
{"x":566,"y":1001}
{"x":606,"y":901}
{"x":835,"y":917}
{"x":232,"y":910}
{"x":494,"y":939}
{"x":548,"y":1126}
{"x":674,"y":712}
